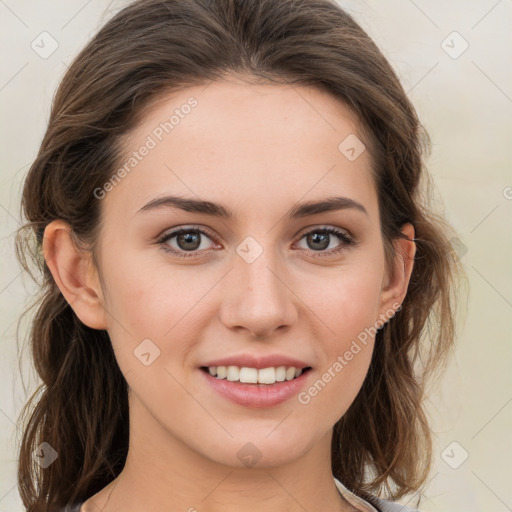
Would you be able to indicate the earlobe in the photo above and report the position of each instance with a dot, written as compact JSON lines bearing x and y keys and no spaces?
{"x":395,"y":286}
{"x":74,"y":273}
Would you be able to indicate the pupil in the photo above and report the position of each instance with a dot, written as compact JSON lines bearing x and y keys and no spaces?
{"x":188,"y":238}
{"x":316,"y":237}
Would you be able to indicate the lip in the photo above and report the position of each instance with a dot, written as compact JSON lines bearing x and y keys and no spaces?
{"x":258,"y":362}
{"x":256,"y":395}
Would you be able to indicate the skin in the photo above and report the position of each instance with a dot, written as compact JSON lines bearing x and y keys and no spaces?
{"x":258,"y":150}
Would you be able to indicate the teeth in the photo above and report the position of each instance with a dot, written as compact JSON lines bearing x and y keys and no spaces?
{"x":253,"y":375}
{"x":249,"y":375}
{"x":267,"y":376}
{"x":280,"y":373}
{"x":233,"y":373}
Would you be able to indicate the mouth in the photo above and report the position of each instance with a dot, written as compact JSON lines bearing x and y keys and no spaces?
{"x":251,"y":387}
{"x":255,"y":376}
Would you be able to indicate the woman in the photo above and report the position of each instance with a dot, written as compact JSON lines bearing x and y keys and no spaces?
{"x":239,"y":269}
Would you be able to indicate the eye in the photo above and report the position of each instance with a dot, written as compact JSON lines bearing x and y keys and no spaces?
{"x":188,"y":241}
{"x":320,"y":239}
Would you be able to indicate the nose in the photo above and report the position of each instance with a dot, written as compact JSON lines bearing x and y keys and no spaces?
{"x":257,"y":297}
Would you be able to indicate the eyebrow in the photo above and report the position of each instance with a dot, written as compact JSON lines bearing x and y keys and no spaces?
{"x":217,"y":210}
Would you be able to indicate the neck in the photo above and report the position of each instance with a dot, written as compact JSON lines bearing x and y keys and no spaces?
{"x":162,"y":473}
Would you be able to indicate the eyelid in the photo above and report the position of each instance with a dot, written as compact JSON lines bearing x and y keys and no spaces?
{"x":186,"y":227}
{"x":320,"y":227}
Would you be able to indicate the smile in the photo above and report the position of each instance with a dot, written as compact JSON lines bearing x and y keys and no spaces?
{"x":266,"y":387}
{"x":248,"y":375}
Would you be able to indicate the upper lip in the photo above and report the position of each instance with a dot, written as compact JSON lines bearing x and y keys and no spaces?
{"x":254,"y":361}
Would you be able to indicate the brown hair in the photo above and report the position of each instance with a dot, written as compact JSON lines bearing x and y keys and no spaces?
{"x":383,"y":442}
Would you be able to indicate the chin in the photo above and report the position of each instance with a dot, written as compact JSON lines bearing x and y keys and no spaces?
{"x":261,"y":451}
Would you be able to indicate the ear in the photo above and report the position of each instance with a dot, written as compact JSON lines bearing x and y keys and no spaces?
{"x":75,"y":275}
{"x":396,"y":280}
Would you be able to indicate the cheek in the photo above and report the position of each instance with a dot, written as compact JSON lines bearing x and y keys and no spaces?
{"x":155,"y":302}
{"x":345,"y":363}
{"x":150,"y":297}
{"x":347,"y":300}
{"x":349,"y":306}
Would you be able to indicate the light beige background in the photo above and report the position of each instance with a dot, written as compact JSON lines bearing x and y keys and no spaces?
{"x":464,"y":102}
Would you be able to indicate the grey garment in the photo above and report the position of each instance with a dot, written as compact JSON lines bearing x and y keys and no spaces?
{"x":374,"y":504}
{"x":382,"y":505}
{"x":390,"y":506}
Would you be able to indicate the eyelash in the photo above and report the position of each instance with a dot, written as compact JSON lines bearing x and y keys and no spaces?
{"x":346,"y":240}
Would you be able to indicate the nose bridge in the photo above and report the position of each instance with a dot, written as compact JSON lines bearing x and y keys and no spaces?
{"x":259,"y":299}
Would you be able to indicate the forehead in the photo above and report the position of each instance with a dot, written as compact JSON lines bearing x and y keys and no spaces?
{"x":249,"y":146}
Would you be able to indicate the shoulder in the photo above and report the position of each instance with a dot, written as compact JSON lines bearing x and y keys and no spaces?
{"x":374,"y":504}
{"x":390,"y":506}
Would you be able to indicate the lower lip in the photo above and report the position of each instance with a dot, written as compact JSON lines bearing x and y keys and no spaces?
{"x":257,"y":395}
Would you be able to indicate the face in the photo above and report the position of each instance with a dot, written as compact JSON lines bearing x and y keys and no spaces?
{"x":257,"y":281}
